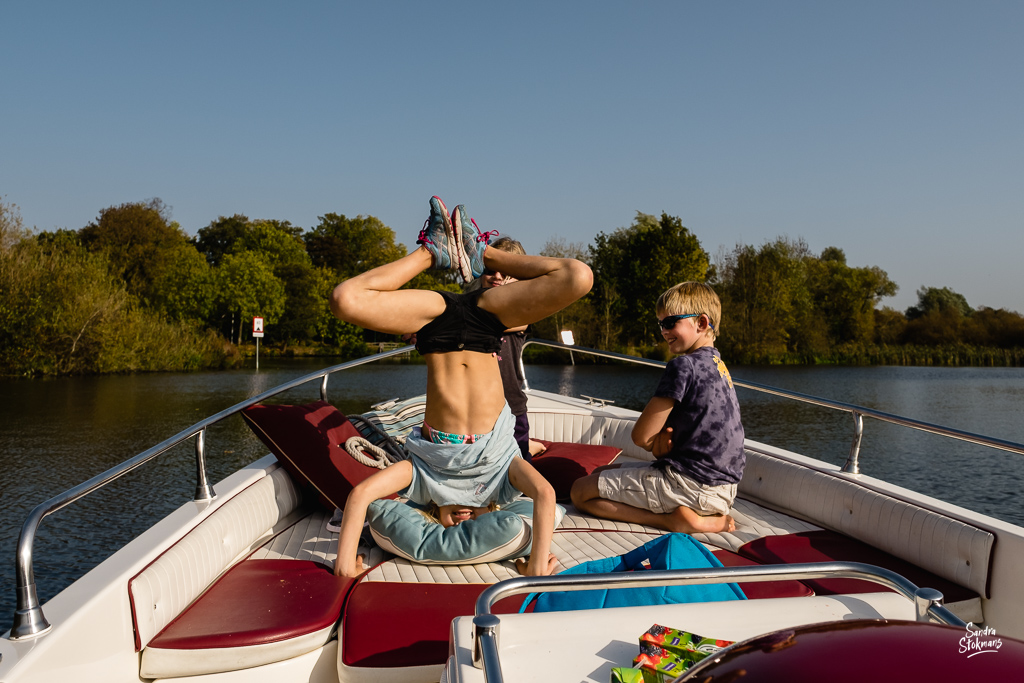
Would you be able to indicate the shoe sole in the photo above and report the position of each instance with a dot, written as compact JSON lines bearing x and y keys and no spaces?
{"x":465,"y":265}
{"x":454,"y":235}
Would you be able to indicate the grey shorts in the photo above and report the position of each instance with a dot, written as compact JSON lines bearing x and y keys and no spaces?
{"x":663,"y":490}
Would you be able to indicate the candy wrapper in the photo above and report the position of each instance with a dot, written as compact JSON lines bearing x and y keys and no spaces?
{"x":682,"y":643}
{"x":622,"y":674}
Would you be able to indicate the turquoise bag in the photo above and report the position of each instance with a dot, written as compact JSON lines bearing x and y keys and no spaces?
{"x":671,"y":551}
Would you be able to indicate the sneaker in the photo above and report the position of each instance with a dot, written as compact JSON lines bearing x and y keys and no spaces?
{"x":441,"y":238}
{"x":474,"y":243}
{"x":334,"y":524}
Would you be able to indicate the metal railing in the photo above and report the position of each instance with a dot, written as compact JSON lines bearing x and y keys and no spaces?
{"x":928,"y":605}
{"x":29,"y":620}
{"x":858,"y":413}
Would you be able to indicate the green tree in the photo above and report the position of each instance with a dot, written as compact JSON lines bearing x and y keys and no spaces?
{"x":247,"y":287}
{"x":219,"y":238}
{"x":280,"y":245}
{"x":764,"y":296}
{"x":845,"y":297}
{"x":941,"y":300}
{"x":889,"y":325}
{"x":633,"y":266}
{"x":349,"y":246}
{"x":186,"y":290}
{"x":938,"y":317}
{"x":138,"y":240}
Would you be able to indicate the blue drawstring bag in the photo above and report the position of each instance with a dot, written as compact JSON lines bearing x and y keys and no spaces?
{"x":671,"y":551}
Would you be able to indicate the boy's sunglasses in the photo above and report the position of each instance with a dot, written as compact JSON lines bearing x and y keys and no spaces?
{"x":669,"y":321}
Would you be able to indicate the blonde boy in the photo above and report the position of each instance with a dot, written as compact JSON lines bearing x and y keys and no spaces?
{"x":691,"y":425}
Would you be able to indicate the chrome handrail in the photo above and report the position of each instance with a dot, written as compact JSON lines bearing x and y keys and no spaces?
{"x":486,"y":626}
{"x":29,"y":620}
{"x":852,"y":465}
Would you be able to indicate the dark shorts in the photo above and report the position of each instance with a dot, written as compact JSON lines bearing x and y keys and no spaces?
{"x":522,"y":434}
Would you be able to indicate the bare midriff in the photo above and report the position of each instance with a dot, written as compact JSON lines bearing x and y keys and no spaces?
{"x":464,"y":392}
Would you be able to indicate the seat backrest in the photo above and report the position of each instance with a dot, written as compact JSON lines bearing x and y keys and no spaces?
{"x":948,"y":547}
{"x":601,"y":430}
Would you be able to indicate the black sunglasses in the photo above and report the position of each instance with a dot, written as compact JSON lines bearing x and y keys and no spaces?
{"x":669,"y":321}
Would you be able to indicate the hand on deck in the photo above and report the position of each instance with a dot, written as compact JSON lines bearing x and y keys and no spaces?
{"x":352,"y":570}
{"x":532,"y":568}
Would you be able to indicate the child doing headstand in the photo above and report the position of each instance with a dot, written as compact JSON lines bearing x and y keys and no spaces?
{"x":464,"y":457}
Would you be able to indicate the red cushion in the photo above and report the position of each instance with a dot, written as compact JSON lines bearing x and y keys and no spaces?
{"x":829,"y":546}
{"x":258,"y":602}
{"x":756,"y":590}
{"x":309,"y":442}
{"x":407,"y":624}
{"x":563,"y":463}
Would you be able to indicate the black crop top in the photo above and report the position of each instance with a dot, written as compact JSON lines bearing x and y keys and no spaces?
{"x":463,"y":326}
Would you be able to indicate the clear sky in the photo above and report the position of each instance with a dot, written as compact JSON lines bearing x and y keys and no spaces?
{"x":891,"y":129}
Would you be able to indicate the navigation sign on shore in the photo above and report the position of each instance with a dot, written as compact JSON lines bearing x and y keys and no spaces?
{"x":257,"y":332}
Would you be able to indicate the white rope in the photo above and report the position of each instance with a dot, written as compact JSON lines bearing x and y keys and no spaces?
{"x":358,"y":447}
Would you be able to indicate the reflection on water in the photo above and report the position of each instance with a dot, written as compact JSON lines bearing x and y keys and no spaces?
{"x":58,"y":433}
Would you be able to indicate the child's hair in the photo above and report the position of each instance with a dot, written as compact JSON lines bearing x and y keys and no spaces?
{"x":506,"y":244}
{"x":693,"y":297}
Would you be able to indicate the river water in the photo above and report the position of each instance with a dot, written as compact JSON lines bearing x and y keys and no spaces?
{"x":57,"y":433}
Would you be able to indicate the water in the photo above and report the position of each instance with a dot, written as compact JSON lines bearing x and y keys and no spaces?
{"x":58,"y":433}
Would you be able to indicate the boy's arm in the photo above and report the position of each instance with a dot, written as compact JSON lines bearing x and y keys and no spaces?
{"x":649,"y":432}
{"x":389,"y":480}
{"x":527,"y":479}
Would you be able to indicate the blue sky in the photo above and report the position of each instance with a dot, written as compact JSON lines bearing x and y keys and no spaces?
{"x":893,"y":130}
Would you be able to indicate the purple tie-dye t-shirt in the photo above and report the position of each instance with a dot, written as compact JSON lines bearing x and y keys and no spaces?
{"x":707,"y":435}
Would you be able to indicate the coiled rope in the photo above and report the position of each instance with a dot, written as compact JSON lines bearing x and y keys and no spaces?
{"x":358,"y":447}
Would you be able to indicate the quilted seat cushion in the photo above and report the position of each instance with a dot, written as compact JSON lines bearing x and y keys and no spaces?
{"x":309,"y":442}
{"x":563,"y":463}
{"x":407,"y":624}
{"x":260,"y":611}
{"x":786,"y":588}
{"x":828,"y":546}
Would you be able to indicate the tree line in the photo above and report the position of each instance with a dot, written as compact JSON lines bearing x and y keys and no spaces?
{"x":132,"y":291}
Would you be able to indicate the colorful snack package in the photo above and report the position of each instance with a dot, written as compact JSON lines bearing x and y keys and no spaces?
{"x":624,"y":674}
{"x":682,"y":642}
{"x":659,"y":665}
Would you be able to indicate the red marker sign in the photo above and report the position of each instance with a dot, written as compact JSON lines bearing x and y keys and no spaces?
{"x":257,"y":327}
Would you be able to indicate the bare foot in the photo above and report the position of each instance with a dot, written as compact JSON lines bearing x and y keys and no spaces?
{"x":687,"y":521}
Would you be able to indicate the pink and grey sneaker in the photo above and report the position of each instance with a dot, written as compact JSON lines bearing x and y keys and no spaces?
{"x":442,"y":239}
{"x":474,"y":243}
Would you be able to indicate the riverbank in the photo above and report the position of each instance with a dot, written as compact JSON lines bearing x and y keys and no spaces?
{"x":234,"y":357}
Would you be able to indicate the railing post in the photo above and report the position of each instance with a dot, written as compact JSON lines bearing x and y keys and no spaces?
{"x":323,"y":388}
{"x":522,"y":371}
{"x":852,"y":465}
{"x":29,"y":620}
{"x":485,"y":647}
{"x":204,"y":491}
{"x":924,"y":600}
